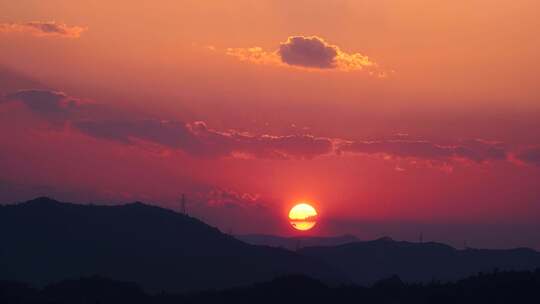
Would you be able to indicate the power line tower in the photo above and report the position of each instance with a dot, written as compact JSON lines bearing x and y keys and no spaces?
{"x":183,"y":202}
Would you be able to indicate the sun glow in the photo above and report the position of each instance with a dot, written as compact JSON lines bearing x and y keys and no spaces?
{"x":303,"y":216}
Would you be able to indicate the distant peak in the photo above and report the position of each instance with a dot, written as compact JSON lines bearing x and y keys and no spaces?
{"x":385,"y":239}
{"x":42,"y":200}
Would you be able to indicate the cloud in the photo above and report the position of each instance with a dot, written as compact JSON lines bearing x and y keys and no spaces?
{"x":62,"y":108}
{"x":219,"y":197}
{"x":233,"y":210}
{"x":254,"y":55}
{"x":194,"y":138}
{"x":480,"y":150}
{"x":312,"y":52}
{"x":529,"y":155}
{"x":42,"y":101}
{"x":198,"y":140}
{"x":308,"y":52}
{"x":474,"y":150}
{"x":40,"y":28}
{"x":52,"y":105}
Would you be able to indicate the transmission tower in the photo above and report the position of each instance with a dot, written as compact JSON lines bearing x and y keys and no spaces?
{"x":183,"y":202}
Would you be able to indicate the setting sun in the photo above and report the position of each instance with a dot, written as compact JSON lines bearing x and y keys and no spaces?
{"x":303,"y":216}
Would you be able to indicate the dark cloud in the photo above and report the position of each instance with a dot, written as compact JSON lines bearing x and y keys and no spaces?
{"x":474,"y":150}
{"x":198,"y":140}
{"x":170,"y":134}
{"x":41,"y":101}
{"x":55,"y":106}
{"x":61,"y":108}
{"x":481,"y":150}
{"x":530,"y":155}
{"x":308,"y":52}
{"x":161,"y":132}
{"x":43,"y":28}
{"x":193,"y":138}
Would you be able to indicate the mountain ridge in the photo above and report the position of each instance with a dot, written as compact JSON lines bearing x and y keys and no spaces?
{"x":293,"y":242}
{"x":368,"y":261}
{"x":46,"y":241}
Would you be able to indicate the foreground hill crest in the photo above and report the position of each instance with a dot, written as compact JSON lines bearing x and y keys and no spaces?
{"x":46,"y":241}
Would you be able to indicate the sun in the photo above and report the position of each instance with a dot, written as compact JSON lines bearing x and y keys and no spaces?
{"x":303,"y":216}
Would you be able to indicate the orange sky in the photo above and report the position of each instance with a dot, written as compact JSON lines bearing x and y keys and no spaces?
{"x":448,"y":139}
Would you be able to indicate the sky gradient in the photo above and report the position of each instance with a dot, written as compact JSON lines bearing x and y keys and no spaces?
{"x":392,"y":117}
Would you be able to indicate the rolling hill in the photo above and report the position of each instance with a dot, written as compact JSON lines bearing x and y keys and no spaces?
{"x":369,"y":261}
{"x":44,"y":241}
{"x":293,"y":243}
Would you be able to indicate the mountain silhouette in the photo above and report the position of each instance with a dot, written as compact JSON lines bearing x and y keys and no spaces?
{"x":44,"y":241}
{"x":293,"y":243}
{"x":369,"y":261}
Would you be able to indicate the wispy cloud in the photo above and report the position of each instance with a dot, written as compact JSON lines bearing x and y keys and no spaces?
{"x":43,"y":28}
{"x":476,"y":150}
{"x":219,"y":197}
{"x":254,"y":55}
{"x":530,"y":155}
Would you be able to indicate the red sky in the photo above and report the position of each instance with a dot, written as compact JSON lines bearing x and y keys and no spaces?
{"x":393,"y":117}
